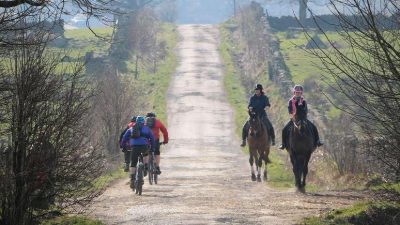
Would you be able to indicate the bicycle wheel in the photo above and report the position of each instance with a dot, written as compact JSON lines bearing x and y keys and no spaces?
{"x":150,"y":174}
{"x":155,"y":178}
{"x":139,"y":181}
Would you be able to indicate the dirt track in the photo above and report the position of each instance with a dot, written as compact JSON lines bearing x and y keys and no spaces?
{"x":206,"y":177}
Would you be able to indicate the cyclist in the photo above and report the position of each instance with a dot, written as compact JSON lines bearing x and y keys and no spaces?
{"x":156,"y":126}
{"x":139,"y":136}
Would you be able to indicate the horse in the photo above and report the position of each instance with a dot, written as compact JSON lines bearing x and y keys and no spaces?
{"x":300,"y":147}
{"x":259,"y":146}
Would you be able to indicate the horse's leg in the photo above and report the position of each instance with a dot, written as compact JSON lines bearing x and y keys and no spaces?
{"x":266,"y":161}
{"x":259,"y":166}
{"x":294,"y":165}
{"x":251,"y":161}
{"x":296,"y":170}
{"x":305,"y":170}
{"x":301,"y":160}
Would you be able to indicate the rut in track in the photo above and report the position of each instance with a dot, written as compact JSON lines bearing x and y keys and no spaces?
{"x":206,"y":177}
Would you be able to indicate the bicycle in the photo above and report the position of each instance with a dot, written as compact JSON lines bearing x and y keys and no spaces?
{"x":153,"y":173}
{"x":139,"y":175}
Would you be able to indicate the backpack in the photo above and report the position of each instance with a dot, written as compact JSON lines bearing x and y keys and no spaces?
{"x":151,"y":122}
{"x":136,"y":131}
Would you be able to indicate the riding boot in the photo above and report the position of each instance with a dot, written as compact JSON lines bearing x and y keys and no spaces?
{"x":272,"y":132}
{"x":318,"y":142}
{"x":245,"y":133}
{"x":285,"y":135}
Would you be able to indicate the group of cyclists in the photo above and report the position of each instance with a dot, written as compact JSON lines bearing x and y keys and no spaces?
{"x":141,"y":135}
{"x":143,"y":132}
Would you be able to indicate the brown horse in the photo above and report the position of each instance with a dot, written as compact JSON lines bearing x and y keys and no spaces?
{"x":259,"y":145}
{"x":301,"y":146}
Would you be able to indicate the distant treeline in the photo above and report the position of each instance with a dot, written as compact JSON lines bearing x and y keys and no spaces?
{"x":329,"y":22}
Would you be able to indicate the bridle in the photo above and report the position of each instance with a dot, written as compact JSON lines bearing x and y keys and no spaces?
{"x":299,"y":123}
{"x":255,"y":123}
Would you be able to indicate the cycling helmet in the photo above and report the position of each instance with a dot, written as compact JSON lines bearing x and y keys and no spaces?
{"x":140,"y":120}
{"x":151,"y":114}
{"x":133,"y":119}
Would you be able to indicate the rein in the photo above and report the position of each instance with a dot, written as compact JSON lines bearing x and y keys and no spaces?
{"x":259,"y":131}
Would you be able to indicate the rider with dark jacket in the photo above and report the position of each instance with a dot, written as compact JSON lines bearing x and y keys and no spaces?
{"x":258,"y":103}
{"x":295,"y":103}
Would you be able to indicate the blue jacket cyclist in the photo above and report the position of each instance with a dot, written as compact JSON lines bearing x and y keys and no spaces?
{"x":258,"y":103}
{"x":139,"y":144}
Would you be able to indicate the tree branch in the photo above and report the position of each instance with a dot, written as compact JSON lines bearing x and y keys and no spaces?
{"x":10,"y":4}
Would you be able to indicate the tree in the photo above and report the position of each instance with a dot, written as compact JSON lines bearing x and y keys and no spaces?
{"x":302,"y":10}
{"x":167,"y":11}
{"x":366,"y":75}
{"x":114,"y":104}
{"x":49,"y":159}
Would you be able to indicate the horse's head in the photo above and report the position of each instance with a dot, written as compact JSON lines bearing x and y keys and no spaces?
{"x":300,"y":118}
{"x":255,"y":122}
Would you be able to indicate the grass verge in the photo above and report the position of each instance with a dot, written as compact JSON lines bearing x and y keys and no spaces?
{"x":373,"y":213}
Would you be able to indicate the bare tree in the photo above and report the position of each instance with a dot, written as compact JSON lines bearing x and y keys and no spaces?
{"x":251,"y":19}
{"x":119,"y":97}
{"x":48,"y":159}
{"x":367,"y":75}
{"x":143,"y":36}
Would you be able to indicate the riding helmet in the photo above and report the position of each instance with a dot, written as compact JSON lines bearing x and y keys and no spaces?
{"x":259,"y":87}
{"x":298,"y":88}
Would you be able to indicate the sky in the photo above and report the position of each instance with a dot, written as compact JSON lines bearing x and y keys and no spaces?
{"x":212,"y":11}
{"x":216,"y":11}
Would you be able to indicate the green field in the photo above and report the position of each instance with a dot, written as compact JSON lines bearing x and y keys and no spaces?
{"x":81,"y":41}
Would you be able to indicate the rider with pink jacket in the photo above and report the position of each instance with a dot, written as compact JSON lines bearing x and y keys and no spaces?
{"x":298,"y":101}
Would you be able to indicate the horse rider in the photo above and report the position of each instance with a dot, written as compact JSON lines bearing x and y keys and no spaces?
{"x":139,"y":144}
{"x":156,"y":126}
{"x":299,"y":101}
{"x":259,"y":103}
{"x":127,"y":155}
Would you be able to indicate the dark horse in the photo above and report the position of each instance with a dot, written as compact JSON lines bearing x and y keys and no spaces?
{"x":301,"y":145}
{"x":259,"y":144}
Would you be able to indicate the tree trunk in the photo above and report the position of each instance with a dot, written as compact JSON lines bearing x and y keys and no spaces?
{"x":136,"y":67}
{"x":303,"y":10}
